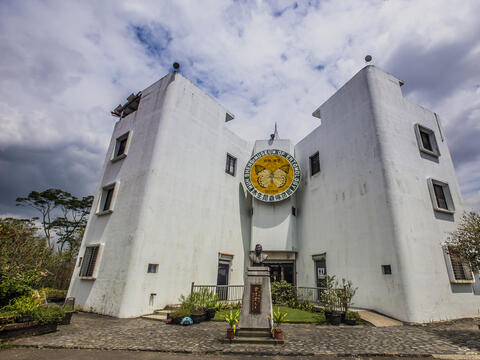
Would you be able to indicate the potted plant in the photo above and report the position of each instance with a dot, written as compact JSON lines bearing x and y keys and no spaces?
{"x":232,"y":319}
{"x":345,"y":296}
{"x":352,"y":318}
{"x":329,"y":299}
{"x":278,"y":318}
{"x":211,"y":305}
{"x":68,"y":315}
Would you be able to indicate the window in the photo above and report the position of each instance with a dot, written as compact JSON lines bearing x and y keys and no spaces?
{"x":152,"y":268}
{"x":294,"y":211}
{"x":121,"y":147}
{"x":89,"y":261}
{"x":105,"y":206}
{"x":314,"y":164}
{"x":387,"y":269}
{"x":426,"y":140}
{"x":458,"y":271}
{"x":441,"y":197}
{"x":231,"y":165}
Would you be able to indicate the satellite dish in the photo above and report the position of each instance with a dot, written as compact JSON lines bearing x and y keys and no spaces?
{"x":368,"y":58}
{"x":176,"y":65}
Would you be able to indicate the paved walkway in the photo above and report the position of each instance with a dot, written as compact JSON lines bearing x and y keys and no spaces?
{"x":378,"y":320}
{"x":89,"y":331}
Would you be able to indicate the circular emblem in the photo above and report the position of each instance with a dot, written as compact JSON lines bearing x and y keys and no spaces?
{"x":272,"y":175}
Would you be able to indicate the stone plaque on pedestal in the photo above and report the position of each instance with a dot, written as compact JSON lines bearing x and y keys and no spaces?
{"x":257,"y":300}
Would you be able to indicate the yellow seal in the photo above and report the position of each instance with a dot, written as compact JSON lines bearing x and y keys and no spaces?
{"x":272,"y":175}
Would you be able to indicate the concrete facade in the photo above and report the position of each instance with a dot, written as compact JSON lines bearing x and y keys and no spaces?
{"x":173,"y":205}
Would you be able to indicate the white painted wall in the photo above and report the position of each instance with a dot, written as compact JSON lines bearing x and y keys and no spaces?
{"x":175,"y":207}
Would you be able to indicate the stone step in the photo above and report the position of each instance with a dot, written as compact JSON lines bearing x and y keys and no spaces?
{"x":158,"y":317}
{"x":253,"y":340}
{"x":163,"y":312}
{"x":254,"y":333}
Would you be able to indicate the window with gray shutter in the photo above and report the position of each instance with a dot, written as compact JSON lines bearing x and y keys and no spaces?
{"x":89,"y":260}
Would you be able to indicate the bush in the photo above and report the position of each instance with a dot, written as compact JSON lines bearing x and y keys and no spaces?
{"x":14,"y":284}
{"x":49,"y":315}
{"x":51,"y":293}
{"x":351,"y":315}
{"x":24,"y":306}
{"x":284,"y":293}
{"x":306,"y":306}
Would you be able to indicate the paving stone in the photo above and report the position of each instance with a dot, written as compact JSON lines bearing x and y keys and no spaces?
{"x":90,"y":331}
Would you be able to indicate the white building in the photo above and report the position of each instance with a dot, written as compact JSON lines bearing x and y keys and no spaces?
{"x":376,"y":199}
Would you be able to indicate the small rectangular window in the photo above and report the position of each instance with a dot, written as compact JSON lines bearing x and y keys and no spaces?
{"x":458,"y":271}
{"x":441,"y":197}
{"x":121,"y":145}
{"x":294,"y":211}
{"x":426,"y":140}
{"x":152,"y":268}
{"x":105,"y":205}
{"x":231,"y":165}
{"x":314,"y":164}
{"x":89,"y":261}
{"x":387,"y":269}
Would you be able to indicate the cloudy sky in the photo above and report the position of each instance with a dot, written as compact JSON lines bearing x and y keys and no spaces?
{"x":64,"y":65}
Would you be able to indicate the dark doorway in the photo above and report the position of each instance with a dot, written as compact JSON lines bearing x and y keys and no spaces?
{"x":321,"y":274}
{"x":222,"y":279}
{"x":282,"y":271}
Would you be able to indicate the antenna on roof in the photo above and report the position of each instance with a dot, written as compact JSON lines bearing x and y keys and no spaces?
{"x":368,"y":58}
{"x":176,"y":66}
{"x":275,"y":133}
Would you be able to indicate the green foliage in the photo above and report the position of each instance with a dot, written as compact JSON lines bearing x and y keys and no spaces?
{"x":49,"y":315}
{"x":345,"y":294}
{"x":278,"y":317}
{"x":464,"y":242}
{"x":232,"y":319}
{"x":305,"y":306}
{"x":16,"y":284}
{"x":351,"y":315}
{"x":24,"y":305}
{"x":197,"y":301}
{"x":284,"y":293}
{"x":329,"y":295}
{"x":51,"y":293}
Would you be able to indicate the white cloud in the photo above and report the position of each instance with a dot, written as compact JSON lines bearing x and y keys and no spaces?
{"x":66,"y":64}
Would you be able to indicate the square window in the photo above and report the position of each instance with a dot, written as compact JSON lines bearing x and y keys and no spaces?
{"x":314,"y":164}
{"x":426,"y":140}
{"x":105,"y":205}
{"x":89,"y":261}
{"x":387,"y":269}
{"x":294,"y":211}
{"x":152,"y":268}
{"x":231,"y":165}
{"x":441,"y":197}
{"x":458,"y":271}
{"x":121,"y":147}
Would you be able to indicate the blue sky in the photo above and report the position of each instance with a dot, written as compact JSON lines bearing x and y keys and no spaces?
{"x":66,"y":64}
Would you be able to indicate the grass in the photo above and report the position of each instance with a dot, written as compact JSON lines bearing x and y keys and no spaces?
{"x":294,"y":316}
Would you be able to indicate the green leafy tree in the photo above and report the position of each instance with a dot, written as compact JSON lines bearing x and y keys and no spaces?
{"x":63,"y":216}
{"x":464,"y":243}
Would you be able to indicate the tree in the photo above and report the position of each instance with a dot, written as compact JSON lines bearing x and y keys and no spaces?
{"x":63,"y":216}
{"x":464,"y":243}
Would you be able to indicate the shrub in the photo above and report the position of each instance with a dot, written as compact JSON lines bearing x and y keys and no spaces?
{"x":24,"y":305}
{"x":306,"y":306}
{"x":51,"y":293}
{"x":49,"y":315}
{"x":14,"y":284}
{"x":284,"y":293}
{"x":351,"y":315}
{"x":346,"y":294}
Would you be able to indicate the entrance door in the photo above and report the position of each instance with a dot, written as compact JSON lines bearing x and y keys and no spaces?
{"x":222,"y":279}
{"x":321,"y":274}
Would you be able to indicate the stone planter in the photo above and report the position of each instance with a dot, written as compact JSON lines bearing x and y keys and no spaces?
{"x":33,"y":328}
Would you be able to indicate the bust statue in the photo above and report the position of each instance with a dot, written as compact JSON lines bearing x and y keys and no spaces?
{"x":258,"y":258}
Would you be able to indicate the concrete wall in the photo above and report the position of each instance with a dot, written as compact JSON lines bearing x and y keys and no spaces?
{"x":344,"y":209}
{"x":175,"y":207}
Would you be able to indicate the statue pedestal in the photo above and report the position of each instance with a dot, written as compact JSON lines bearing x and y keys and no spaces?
{"x":257,"y":299}
{"x":255,"y":326}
